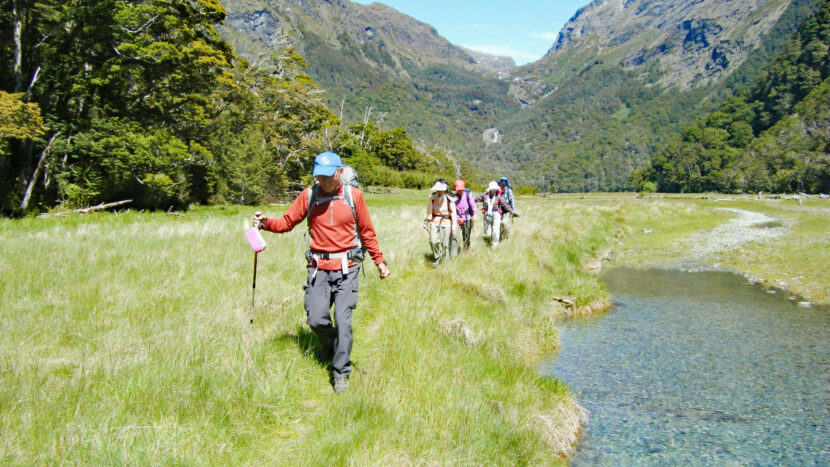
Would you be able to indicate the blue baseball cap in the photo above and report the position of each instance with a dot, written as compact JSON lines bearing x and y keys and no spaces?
{"x":326,"y":163}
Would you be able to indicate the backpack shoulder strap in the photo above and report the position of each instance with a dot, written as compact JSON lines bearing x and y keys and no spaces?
{"x":348,"y":198}
{"x":312,"y":199}
{"x":347,"y":195}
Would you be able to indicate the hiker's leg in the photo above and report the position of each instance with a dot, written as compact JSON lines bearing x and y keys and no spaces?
{"x":496,"y":229}
{"x":455,"y":241}
{"x":488,"y":226}
{"x":446,"y":232}
{"x":506,"y":220}
{"x":466,"y":232}
{"x":345,"y":300}
{"x":317,"y":302}
{"x":435,"y":240}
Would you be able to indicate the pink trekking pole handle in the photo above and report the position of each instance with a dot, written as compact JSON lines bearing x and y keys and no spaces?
{"x":258,"y":244}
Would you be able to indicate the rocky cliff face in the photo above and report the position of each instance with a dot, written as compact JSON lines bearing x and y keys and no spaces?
{"x":379,"y":34}
{"x":694,"y":42}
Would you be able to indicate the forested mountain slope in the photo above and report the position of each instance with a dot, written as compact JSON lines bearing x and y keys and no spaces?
{"x":623,"y":77}
{"x":771,"y":136}
{"x":371,"y":57}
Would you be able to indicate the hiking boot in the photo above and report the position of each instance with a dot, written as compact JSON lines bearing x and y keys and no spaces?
{"x":341,"y":384}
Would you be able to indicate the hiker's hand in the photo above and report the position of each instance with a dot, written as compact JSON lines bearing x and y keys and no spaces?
{"x":515,"y":214}
{"x":384,"y":270}
{"x":426,"y":226}
{"x":259,"y":221}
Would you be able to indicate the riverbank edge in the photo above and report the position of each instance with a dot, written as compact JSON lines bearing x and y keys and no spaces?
{"x":734,"y":258}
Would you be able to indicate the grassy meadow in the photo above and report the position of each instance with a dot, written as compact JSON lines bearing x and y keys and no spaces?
{"x":126,"y":338}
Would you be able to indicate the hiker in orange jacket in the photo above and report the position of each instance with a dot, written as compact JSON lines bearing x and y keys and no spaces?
{"x":340,"y":229}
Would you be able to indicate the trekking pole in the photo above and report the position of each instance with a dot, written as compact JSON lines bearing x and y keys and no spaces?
{"x":258,"y":244}
{"x":253,"y":288}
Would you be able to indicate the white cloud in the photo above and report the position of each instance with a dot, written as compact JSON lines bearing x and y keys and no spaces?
{"x":545,"y":36}
{"x":501,"y":50}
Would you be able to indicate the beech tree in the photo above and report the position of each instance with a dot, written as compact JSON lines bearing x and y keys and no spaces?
{"x":128,"y":87}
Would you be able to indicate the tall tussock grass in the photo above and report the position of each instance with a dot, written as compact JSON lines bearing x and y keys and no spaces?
{"x":126,"y":340}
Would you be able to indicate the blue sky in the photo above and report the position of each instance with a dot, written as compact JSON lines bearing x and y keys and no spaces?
{"x":522,"y":29}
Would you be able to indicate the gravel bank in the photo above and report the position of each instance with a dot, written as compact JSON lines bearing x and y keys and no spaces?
{"x":703,"y":250}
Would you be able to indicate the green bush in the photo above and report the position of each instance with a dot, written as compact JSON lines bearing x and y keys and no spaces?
{"x":417,"y":180}
{"x":526,"y":190}
{"x":648,"y":187}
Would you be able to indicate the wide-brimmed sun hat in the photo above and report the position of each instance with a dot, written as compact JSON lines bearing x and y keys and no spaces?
{"x":493,"y":186}
{"x":439,"y":186}
{"x":325,"y":164}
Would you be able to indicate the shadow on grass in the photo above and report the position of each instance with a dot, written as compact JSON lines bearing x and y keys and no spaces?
{"x":308,"y":343}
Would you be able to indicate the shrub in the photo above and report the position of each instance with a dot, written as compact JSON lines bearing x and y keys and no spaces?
{"x":648,"y":187}
{"x":526,"y":190}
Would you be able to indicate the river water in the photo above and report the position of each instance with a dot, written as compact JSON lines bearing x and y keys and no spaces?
{"x":699,"y":369}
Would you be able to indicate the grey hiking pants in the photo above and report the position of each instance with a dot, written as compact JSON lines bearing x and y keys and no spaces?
{"x":492,"y":228}
{"x":439,"y":239}
{"x":463,"y":234}
{"x":322,"y":291}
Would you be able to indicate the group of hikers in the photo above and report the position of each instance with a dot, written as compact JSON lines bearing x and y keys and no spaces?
{"x":341,"y":233}
{"x":449,"y":215}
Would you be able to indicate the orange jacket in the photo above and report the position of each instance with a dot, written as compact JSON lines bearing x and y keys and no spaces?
{"x":332,"y":226}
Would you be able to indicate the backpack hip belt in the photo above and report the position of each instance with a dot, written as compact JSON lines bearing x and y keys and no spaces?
{"x":356,"y":254}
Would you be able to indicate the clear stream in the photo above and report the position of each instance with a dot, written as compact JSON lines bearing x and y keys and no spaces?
{"x":699,"y":369}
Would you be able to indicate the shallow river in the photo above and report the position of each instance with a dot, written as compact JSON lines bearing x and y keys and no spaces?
{"x":699,"y":369}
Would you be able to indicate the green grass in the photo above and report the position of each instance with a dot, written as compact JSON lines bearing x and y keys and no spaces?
{"x":125,"y":340}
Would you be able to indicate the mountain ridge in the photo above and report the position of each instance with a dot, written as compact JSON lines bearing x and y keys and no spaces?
{"x":655,"y":55}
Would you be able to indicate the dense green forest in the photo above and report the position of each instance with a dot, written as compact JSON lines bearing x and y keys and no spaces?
{"x":773,"y":136}
{"x":107,"y":100}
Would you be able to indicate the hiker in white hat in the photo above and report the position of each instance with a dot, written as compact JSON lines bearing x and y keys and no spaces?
{"x":494,"y":207}
{"x":440,"y":221}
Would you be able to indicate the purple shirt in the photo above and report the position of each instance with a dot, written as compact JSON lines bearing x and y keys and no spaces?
{"x":464,"y":206}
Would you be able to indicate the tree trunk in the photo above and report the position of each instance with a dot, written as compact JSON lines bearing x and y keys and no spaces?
{"x":17,"y":17}
{"x":31,"y":185}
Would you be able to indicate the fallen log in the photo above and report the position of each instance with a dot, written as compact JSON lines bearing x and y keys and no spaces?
{"x":88,"y":209}
{"x":567,"y":301}
{"x":102,"y":206}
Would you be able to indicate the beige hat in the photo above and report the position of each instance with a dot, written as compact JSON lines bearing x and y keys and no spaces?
{"x":439,"y":186}
{"x":493,"y":186}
